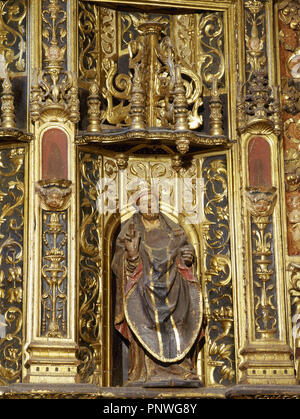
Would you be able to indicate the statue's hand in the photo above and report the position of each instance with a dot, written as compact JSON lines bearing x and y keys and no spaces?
{"x":187,"y":255}
{"x":132,"y":242}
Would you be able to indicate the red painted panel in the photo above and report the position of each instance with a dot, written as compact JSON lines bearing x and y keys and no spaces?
{"x":55,"y":154}
{"x":259,"y":162}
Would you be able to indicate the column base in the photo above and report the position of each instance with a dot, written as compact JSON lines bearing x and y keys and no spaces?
{"x":52,"y":363}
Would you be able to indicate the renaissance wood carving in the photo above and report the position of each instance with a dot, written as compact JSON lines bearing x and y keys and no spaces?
{"x":199,"y":98}
{"x":159,"y":305}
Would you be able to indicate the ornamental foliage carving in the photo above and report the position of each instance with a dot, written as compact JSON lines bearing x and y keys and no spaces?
{"x":13,"y":34}
{"x":114,"y":54}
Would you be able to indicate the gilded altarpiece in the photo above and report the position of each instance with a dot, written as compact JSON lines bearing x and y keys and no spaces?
{"x":198,"y":98}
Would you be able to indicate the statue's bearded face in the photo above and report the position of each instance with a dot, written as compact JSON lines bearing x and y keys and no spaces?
{"x":148,"y":206}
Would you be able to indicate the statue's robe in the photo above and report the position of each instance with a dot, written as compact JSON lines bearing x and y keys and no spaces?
{"x":159,"y":303}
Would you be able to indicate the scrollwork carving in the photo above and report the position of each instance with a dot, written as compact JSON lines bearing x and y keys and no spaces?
{"x":11,"y":263}
{"x":211,"y":56}
{"x":54,"y":274}
{"x":255,"y":36}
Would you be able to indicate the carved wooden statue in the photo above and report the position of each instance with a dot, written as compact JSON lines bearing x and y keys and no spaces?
{"x":158,"y":304}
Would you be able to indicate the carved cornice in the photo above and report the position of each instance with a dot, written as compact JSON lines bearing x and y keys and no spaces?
{"x":176,"y":139}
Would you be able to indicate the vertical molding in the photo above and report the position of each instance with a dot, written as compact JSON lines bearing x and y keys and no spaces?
{"x":218,"y":272}
{"x":287,"y":40}
{"x":12,"y":262}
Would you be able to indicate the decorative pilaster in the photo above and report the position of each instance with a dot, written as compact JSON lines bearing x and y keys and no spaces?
{"x":266,"y":351}
{"x":7,"y":104}
{"x":54,"y":111}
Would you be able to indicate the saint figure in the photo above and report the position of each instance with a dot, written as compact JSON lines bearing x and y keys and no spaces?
{"x":158,"y":301}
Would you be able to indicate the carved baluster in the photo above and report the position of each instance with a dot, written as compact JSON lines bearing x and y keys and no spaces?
{"x":74,"y":101}
{"x":7,"y":104}
{"x":261,"y":202}
{"x":35,"y":98}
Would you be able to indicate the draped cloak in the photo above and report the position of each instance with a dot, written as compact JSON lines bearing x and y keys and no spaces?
{"x":160,"y":303}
